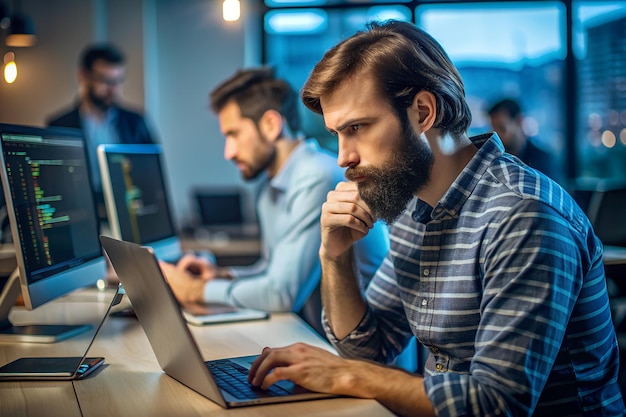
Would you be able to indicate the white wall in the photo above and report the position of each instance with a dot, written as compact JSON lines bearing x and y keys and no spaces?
{"x":177,"y":51}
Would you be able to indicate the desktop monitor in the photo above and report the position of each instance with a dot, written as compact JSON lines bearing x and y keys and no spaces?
{"x":54,"y":224}
{"x":136,"y":197}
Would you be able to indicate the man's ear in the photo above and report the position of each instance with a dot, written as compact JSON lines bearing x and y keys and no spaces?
{"x":424,"y":110}
{"x":271,"y":125}
{"x":82,"y":74}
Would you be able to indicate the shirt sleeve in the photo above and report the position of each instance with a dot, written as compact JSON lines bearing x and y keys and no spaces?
{"x":384,"y":330}
{"x":290,"y":263}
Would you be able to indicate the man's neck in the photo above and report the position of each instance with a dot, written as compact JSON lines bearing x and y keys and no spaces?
{"x":284,"y":147}
{"x":451,"y":156}
{"x":88,"y":108}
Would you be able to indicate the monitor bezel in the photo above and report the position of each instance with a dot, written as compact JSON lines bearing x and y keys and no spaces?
{"x":92,"y":268}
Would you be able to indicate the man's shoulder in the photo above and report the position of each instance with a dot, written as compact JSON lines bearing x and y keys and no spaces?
{"x":540,"y":157}
{"x":68,"y":117}
{"x":318,"y":161}
{"x":129,"y":113}
{"x":310,"y":165}
{"x":536,"y":146}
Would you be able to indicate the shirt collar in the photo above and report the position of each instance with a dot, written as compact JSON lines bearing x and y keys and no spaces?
{"x":110,"y":118}
{"x":281,"y":180}
{"x":489,"y":149}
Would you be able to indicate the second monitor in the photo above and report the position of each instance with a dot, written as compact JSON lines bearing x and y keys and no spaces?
{"x":136,"y":197}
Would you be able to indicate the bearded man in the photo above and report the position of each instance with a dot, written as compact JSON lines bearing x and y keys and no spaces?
{"x":492,"y":266}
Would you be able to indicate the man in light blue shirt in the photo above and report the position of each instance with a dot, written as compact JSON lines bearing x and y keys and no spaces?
{"x":258,"y":116}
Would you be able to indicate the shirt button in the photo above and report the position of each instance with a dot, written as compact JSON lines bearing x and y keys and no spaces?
{"x":426,"y":272}
{"x":439,"y":367}
{"x":424,"y":302}
{"x":434,"y":350}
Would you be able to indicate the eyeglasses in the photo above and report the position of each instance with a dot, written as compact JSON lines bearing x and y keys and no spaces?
{"x":110,"y":82}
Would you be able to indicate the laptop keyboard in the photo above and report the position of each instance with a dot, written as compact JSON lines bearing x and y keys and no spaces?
{"x":234,"y":378}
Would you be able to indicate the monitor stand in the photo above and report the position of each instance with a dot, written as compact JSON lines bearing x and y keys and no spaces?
{"x":34,"y":333}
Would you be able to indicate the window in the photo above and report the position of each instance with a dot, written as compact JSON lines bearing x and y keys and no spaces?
{"x":505,"y":50}
{"x":296,"y":39}
{"x":600,"y":51}
{"x":573,"y":102}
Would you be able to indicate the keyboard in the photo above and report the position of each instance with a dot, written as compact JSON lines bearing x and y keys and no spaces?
{"x":233,"y":378}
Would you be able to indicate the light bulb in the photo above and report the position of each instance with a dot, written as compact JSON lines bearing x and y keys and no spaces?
{"x":231,"y":10}
{"x":10,"y":67}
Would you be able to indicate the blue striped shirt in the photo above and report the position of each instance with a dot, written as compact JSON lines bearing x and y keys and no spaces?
{"x":503,"y":282}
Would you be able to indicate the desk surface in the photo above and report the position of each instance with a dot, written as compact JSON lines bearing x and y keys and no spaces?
{"x":132,"y":383}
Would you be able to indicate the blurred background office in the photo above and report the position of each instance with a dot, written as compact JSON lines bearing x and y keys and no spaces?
{"x":561,"y":59}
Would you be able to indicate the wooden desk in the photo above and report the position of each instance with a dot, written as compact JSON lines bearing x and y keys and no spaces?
{"x":132,"y":383}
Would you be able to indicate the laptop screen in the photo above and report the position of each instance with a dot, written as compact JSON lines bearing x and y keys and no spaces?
{"x":133,"y":182}
{"x":221,"y":208}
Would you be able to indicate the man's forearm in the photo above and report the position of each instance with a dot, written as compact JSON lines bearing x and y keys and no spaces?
{"x":401,"y":392}
{"x":343,"y":304}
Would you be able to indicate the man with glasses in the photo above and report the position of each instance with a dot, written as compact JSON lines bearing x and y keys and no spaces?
{"x":97,"y":110}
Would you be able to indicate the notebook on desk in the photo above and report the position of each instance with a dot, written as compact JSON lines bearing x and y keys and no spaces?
{"x":172,"y":342}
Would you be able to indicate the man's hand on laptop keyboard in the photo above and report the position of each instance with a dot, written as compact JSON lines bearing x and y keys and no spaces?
{"x":199,"y":267}
{"x":187,"y":287}
{"x":308,"y":366}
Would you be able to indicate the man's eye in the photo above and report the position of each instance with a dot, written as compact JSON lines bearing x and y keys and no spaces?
{"x":355,"y":127}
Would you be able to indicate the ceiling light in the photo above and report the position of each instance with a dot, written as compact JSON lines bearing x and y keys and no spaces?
{"x":21,"y":31}
{"x":231,"y":10}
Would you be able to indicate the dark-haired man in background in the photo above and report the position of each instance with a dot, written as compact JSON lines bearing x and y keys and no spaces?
{"x":506,"y":119}
{"x":98,"y":111}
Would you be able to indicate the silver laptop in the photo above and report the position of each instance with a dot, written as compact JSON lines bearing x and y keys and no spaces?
{"x":223,"y":381}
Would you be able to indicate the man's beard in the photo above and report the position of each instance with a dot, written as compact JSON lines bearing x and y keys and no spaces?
{"x":388,"y":189}
{"x":259,"y":165}
{"x":100,"y":103}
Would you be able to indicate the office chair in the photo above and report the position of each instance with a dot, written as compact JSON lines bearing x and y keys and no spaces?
{"x":308,"y":303}
{"x":607,"y":213}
